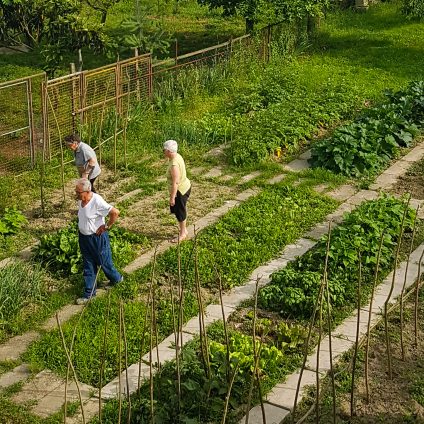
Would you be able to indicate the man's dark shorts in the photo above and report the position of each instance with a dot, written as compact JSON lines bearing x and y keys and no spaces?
{"x":180,"y":207}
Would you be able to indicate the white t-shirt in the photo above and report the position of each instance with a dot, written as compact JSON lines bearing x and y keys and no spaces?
{"x":92,"y":215}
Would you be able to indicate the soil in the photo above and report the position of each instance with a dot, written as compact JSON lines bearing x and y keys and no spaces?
{"x":391,"y":400}
{"x":412,"y":182}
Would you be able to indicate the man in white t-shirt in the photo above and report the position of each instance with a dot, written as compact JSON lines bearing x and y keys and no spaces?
{"x":93,"y":237}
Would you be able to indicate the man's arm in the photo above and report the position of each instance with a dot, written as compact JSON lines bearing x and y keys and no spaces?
{"x":113,"y":216}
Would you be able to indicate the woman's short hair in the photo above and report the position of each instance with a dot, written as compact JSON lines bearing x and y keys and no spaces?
{"x":84,"y":184}
{"x":72,"y":138}
{"x":171,"y":146}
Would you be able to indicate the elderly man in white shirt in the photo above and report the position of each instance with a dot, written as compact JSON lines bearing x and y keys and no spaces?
{"x":93,"y":237}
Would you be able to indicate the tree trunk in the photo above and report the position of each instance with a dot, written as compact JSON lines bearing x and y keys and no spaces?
{"x":250,"y":25}
{"x":104,"y":16}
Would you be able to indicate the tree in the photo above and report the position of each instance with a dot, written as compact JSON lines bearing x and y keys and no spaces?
{"x":413,"y":8}
{"x":251,"y":10}
{"x":143,"y":33}
{"x":102,"y":6}
{"x":55,"y":27}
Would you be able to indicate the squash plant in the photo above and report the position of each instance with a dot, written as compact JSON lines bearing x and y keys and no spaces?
{"x":365,"y":146}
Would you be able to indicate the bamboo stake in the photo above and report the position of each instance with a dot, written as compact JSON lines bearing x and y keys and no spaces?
{"x":305,"y":355}
{"x":330,"y":345}
{"x":202,"y":329}
{"x":179,"y":340}
{"x":402,"y":345}
{"x":152,"y":314}
{"x":321,"y":301}
{"x":227,"y":397}
{"x":120,"y":364}
{"x":224,"y":321}
{"x":126,"y":362}
{"x":367,"y":345}
{"x":417,"y":291}
{"x":103,"y":357}
{"x":68,"y":357}
{"x":74,"y":334}
{"x":358,"y":321}
{"x":386,"y":303}
{"x":255,"y":356}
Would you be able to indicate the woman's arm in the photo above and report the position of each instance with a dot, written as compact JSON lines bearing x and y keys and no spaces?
{"x":175,"y":175}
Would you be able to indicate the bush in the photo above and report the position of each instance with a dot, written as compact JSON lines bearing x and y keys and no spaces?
{"x":413,"y":8}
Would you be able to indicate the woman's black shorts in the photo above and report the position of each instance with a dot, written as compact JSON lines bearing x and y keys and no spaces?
{"x":180,"y":207}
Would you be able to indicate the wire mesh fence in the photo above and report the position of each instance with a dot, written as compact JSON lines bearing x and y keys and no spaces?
{"x":36,"y":113}
{"x":21,"y":128}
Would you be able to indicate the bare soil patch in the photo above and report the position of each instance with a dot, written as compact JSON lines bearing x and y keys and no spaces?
{"x":412,"y":182}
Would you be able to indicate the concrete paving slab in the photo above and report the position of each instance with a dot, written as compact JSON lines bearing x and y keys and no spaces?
{"x":398,"y":168}
{"x":297,"y":165}
{"x":383,"y":182}
{"x":40,"y":386}
{"x":91,"y":409}
{"x":416,"y":154}
{"x":54,"y":400}
{"x":283,"y":394}
{"x":14,"y":347}
{"x":338,"y":215}
{"x":136,"y":373}
{"x":246,"y":178}
{"x":292,"y":251}
{"x":130,"y":194}
{"x":66,"y":313}
{"x":247,"y":194}
{"x":213,"y":172}
{"x":277,"y":179}
{"x":226,"y":178}
{"x":320,"y":188}
{"x":342,"y":193}
{"x":306,"y":155}
{"x":18,"y":374}
{"x":362,"y":196}
{"x":273,"y":414}
{"x":199,"y":170}
{"x":318,"y":231}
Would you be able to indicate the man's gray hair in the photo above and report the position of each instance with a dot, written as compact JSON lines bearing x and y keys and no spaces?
{"x":84,"y":184}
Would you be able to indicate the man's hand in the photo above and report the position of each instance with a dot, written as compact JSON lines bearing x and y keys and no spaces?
{"x":101,"y":230}
{"x":172,"y":201}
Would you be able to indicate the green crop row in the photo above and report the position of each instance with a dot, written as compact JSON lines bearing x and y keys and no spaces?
{"x":60,"y":251}
{"x":293,"y":291}
{"x":205,"y":384}
{"x":243,"y":239}
{"x":365,"y":146}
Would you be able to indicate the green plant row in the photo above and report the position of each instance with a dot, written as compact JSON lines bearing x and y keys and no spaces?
{"x":280,"y":112}
{"x":11,"y":221}
{"x":204,"y":385}
{"x":364,"y":146}
{"x":60,"y":251}
{"x":293,"y":291}
{"x":27,"y":295}
{"x":246,"y":237}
